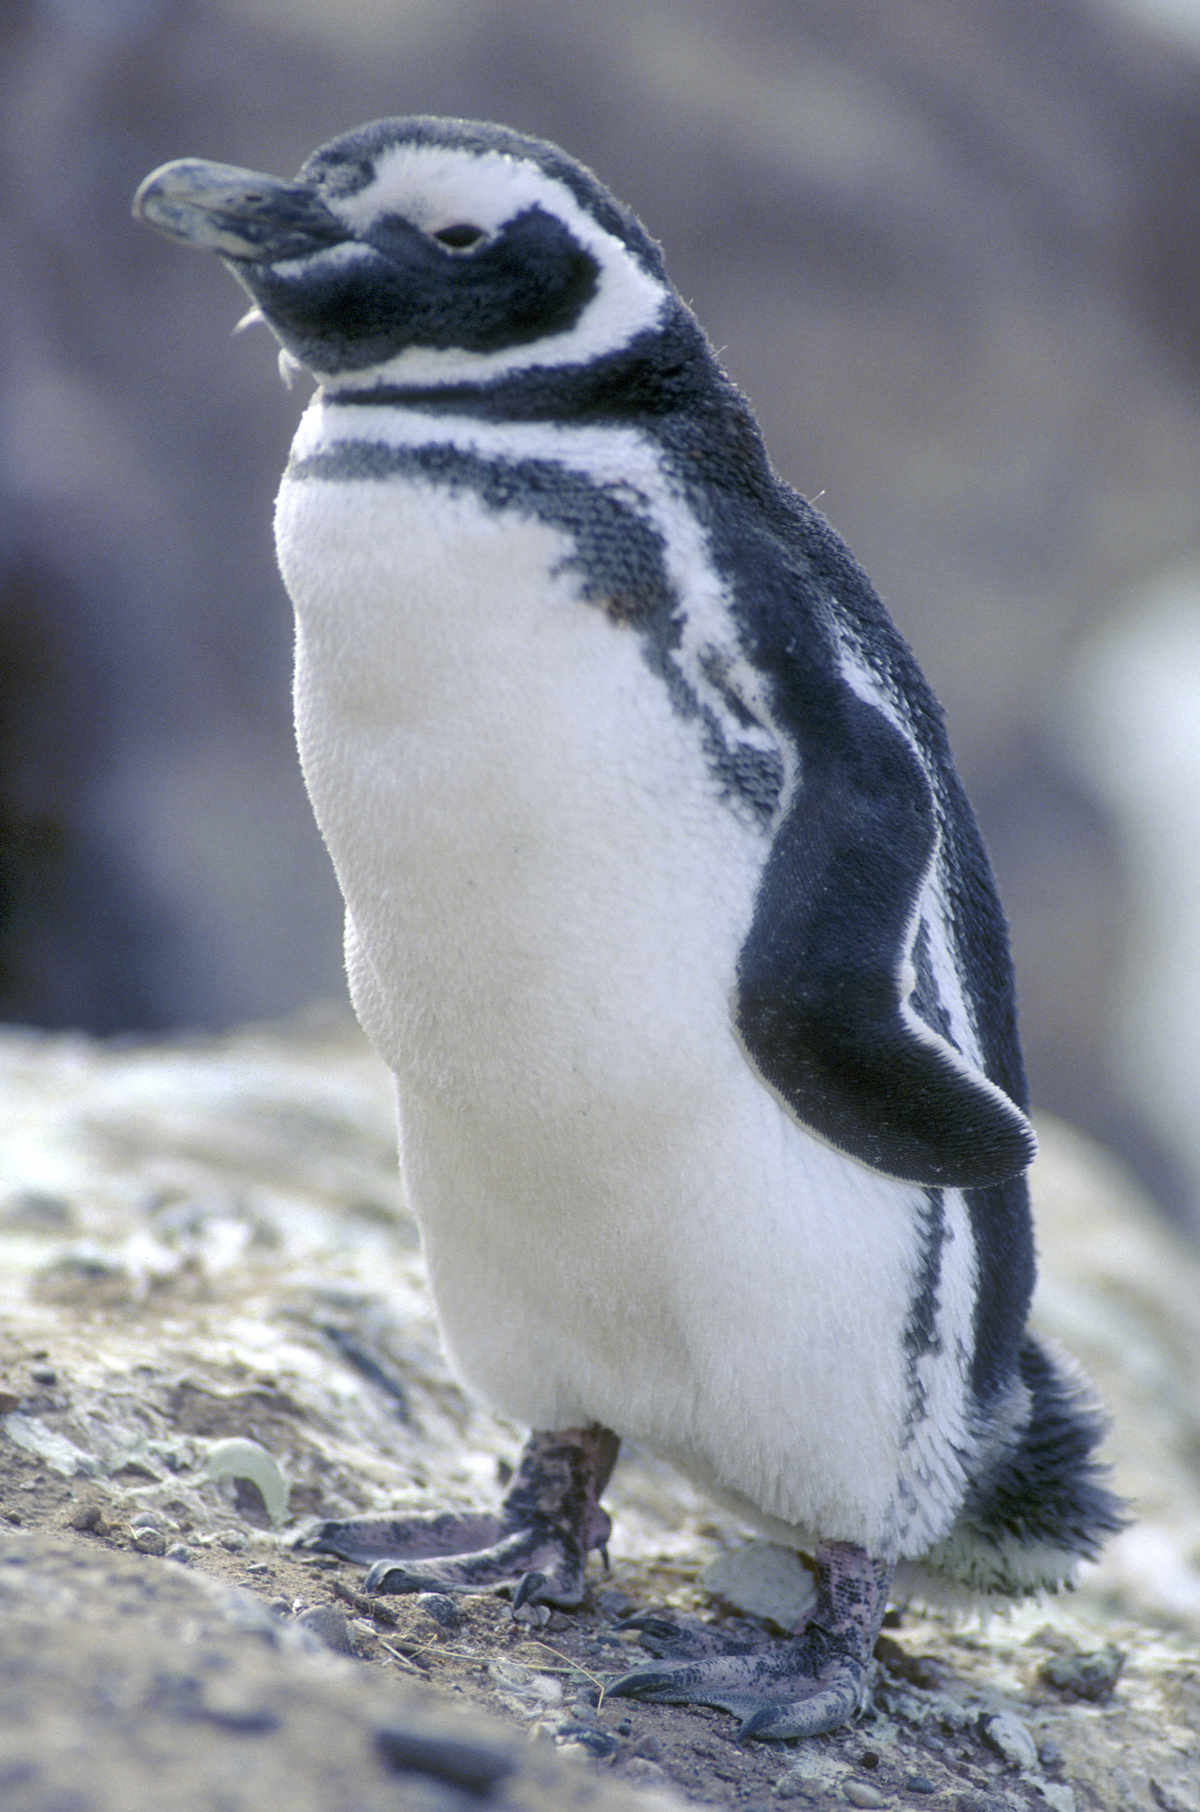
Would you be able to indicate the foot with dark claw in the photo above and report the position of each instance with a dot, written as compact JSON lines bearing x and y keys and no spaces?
{"x":813,"y":1682}
{"x":537,"y":1541}
{"x":671,"y":1640}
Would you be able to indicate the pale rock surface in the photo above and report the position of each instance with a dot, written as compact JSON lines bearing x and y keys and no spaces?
{"x":215,"y":1328}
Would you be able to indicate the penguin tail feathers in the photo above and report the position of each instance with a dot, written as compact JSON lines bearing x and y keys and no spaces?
{"x":1040,"y":1502}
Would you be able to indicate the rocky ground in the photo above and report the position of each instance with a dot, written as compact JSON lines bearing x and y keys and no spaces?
{"x":214,"y":1330}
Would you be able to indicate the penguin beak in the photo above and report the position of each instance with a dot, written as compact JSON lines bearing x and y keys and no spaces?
{"x":236,"y":213}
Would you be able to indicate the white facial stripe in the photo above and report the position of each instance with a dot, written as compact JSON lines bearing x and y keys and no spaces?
{"x":330,"y":258}
{"x":435,"y":186}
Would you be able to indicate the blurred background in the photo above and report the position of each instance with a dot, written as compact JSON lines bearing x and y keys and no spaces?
{"x":950,"y":248}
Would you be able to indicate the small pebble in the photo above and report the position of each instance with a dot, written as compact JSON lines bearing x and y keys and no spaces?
{"x":1091,"y":1676}
{"x":915,"y":1670}
{"x":441,"y":1607}
{"x":800,"y":1782}
{"x":903,"y":1705}
{"x":858,"y":1793}
{"x":919,"y":1783}
{"x":508,"y":1673}
{"x":533,"y":1616}
{"x":43,"y":1374}
{"x":329,"y":1627}
{"x":179,"y":1551}
{"x":598,"y":1743}
{"x":647,"y":1747}
{"x":150,"y":1541}
{"x":233,"y":1542}
{"x":613,"y":1604}
{"x":88,"y":1516}
{"x":1008,"y":1738}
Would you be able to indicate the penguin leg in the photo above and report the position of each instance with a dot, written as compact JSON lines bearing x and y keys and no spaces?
{"x":537,"y":1541}
{"x":813,"y":1682}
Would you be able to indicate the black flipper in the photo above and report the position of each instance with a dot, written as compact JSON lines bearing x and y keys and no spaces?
{"x":826,"y":967}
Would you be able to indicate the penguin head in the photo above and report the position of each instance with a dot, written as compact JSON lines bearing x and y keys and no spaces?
{"x":424,"y":252}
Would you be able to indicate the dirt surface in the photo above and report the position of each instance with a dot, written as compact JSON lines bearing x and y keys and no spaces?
{"x":132,"y":1678}
{"x":214,"y":1330}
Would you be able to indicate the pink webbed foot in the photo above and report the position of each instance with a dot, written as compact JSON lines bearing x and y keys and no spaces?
{"x":537,"y":1541}
{"x":813,"y":1682}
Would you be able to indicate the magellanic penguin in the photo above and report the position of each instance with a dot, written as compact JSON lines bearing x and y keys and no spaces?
{"x":666,"y":908}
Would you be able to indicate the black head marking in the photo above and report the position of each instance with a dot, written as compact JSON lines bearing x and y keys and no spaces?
{"x":515,"y":264}
{"x":354,"y":308}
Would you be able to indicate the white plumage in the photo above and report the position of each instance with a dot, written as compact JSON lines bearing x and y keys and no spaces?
{"x":544,"y":915}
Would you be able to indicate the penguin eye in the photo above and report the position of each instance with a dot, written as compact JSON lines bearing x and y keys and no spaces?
{"x":459,"y":236}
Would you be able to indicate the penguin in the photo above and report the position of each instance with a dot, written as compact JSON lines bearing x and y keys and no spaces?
{"x":666,"y":908}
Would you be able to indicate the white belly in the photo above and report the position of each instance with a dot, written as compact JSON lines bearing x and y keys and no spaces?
{"x":545,"y":901}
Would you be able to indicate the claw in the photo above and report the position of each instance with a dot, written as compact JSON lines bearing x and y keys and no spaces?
{"x":685,"y":1641}
{"x":643,"y":1683}
{"x":647,"y":1623}
{"x":529,"y":1588}
{"x":812,"y":1683}
{"x":658,"y":1634}
{"x":769,"y":1698}
{"x":756,"y":1723}
{"x":386,"y":1576}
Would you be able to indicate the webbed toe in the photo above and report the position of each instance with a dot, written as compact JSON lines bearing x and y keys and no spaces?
{"x":799,"y":1688}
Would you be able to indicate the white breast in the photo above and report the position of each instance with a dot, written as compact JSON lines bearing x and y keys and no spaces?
{"x":545,"y":900}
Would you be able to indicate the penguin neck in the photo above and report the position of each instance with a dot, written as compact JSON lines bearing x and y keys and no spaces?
{"x":658,"y":374}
